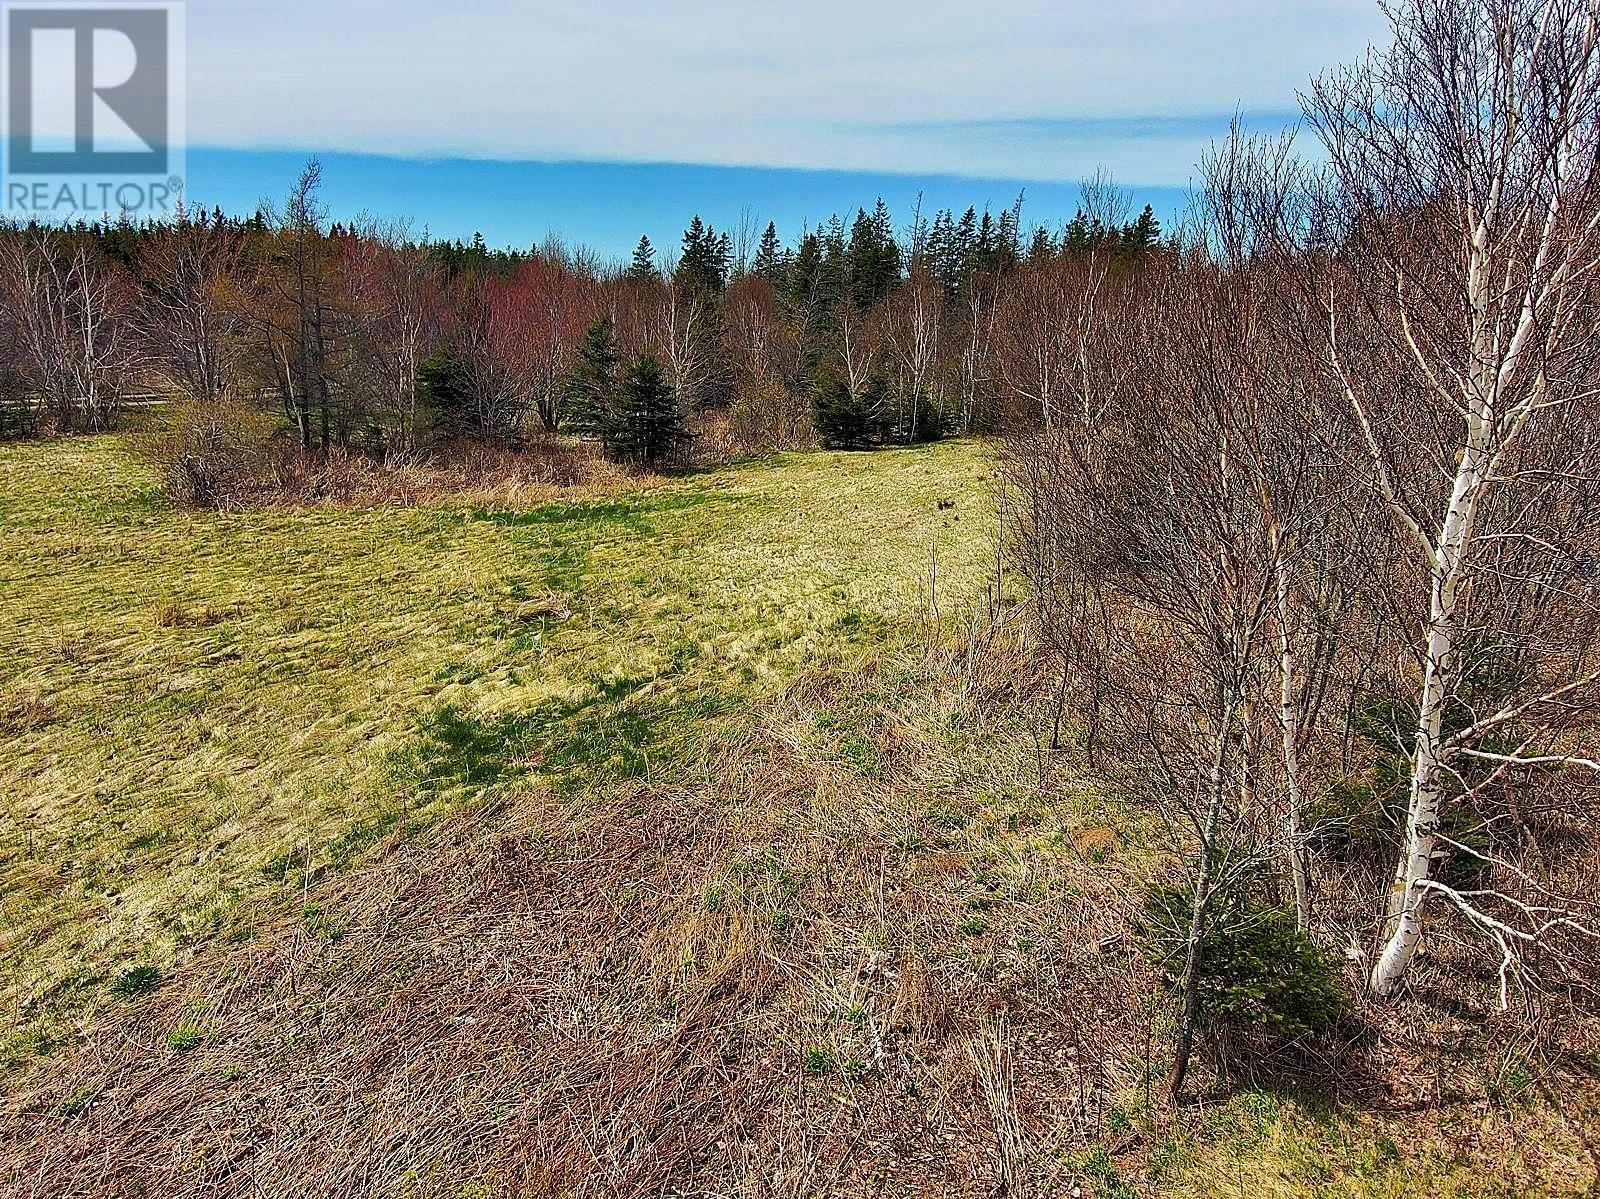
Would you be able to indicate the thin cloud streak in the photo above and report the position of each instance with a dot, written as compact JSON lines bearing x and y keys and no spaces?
{"x":1037,"y":90}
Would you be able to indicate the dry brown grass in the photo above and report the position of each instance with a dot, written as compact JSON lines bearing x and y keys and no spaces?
{"x":856,"y":948}
{"x":742,"y":983}
{"x":458,"y":472}
{"x":233,"y":462}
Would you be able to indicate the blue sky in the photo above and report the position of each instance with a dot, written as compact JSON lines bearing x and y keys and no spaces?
{"x":608,"y":118}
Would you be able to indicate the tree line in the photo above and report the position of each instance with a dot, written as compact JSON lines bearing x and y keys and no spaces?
{"x":364,"y":337}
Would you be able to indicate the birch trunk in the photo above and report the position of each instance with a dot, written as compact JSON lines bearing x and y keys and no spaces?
{"x":1289,"y":722}
{"x":1403,"y":926}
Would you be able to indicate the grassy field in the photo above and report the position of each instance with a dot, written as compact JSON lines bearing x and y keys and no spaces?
{"x":200,"y":708}
{"x":637,"y":842}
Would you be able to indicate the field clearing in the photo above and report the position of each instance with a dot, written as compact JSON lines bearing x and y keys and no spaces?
{"x":639,"y":842}
{"x":199,"y":708}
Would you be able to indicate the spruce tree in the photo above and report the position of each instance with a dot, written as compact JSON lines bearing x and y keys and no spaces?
{"x":860,"y":262}
{"x":833,"y":273}
{"x":942,"y":253}
{"x":1075,"y":239}
{"x":703,"y":264}
{"x":592,"y":383}
{"x":987,"y":243}
{"x":643,"y":267}
{"x":645,"y":425}
{"x":693,"y":257}
{"x":769,"y":261}
{"x":1142,"y":233}
{"x":444,"y":385}
{"x":1010,"y":248}
{"x":873,"y":261}
{"x":964,"y":246}
{"x":843,"y":420}
{"x":804,"y":270}
{"x":1042,"y":247}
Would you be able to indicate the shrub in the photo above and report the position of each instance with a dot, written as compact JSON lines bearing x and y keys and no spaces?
{"x":877,"y":415}
{"x":444,"y":387}
{"x":1257,"y":969}
{"x":208,"y":454}
{"x":765,"y":415}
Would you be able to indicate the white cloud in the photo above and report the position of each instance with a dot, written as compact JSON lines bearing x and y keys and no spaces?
{"x":836,"y":83}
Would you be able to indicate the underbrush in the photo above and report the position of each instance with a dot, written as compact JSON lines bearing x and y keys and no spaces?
{"x":230,"y":461}
{"x":760,"y":963}
{"x":235,"y":457}
{"x":863,"y":938}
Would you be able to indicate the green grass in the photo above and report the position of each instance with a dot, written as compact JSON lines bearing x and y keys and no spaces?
{"x":1258,"y":1144}
{"x":199,"y":709}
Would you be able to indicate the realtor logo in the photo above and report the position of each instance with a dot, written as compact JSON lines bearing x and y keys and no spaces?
{"x":93,"y":108}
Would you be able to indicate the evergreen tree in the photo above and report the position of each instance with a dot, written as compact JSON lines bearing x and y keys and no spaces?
{"x":444,"y":386}
{"x":804,"y":271}
{"x":769,"y":263}
{"x":964,"y":245}
{"x":843,"y":421}
{"x":1075,"y":238}
{"x":833,"y":276}
{"x":592,"y":382}
{"x":915,"y":255}
{"x":646,"y":424}
{"x":703,"y":264}
{"x":643,"y":267}
{"x":943,"y":256}
{"x":1009,"y":247}
{"x":873,"y":256}
{"x":1143,"y":233}
{"x":694,"y":257}
{"x":987,"y":244}
{"x":1041,"y":247}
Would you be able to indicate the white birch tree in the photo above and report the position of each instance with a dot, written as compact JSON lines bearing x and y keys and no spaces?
{"x":1459,"y":327}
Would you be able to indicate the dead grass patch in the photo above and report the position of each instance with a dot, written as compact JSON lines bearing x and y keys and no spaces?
{"x":738,"y":982}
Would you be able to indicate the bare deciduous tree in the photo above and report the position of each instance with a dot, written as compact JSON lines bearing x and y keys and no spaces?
{"x":398,"y":302}
{"x":1156,"y":514}
{"x":911,"y":334}
{"x":74,"y":318}
{"x":1459,"y":318}
{"x":299,"y":321}
{"x":194,"y":306}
